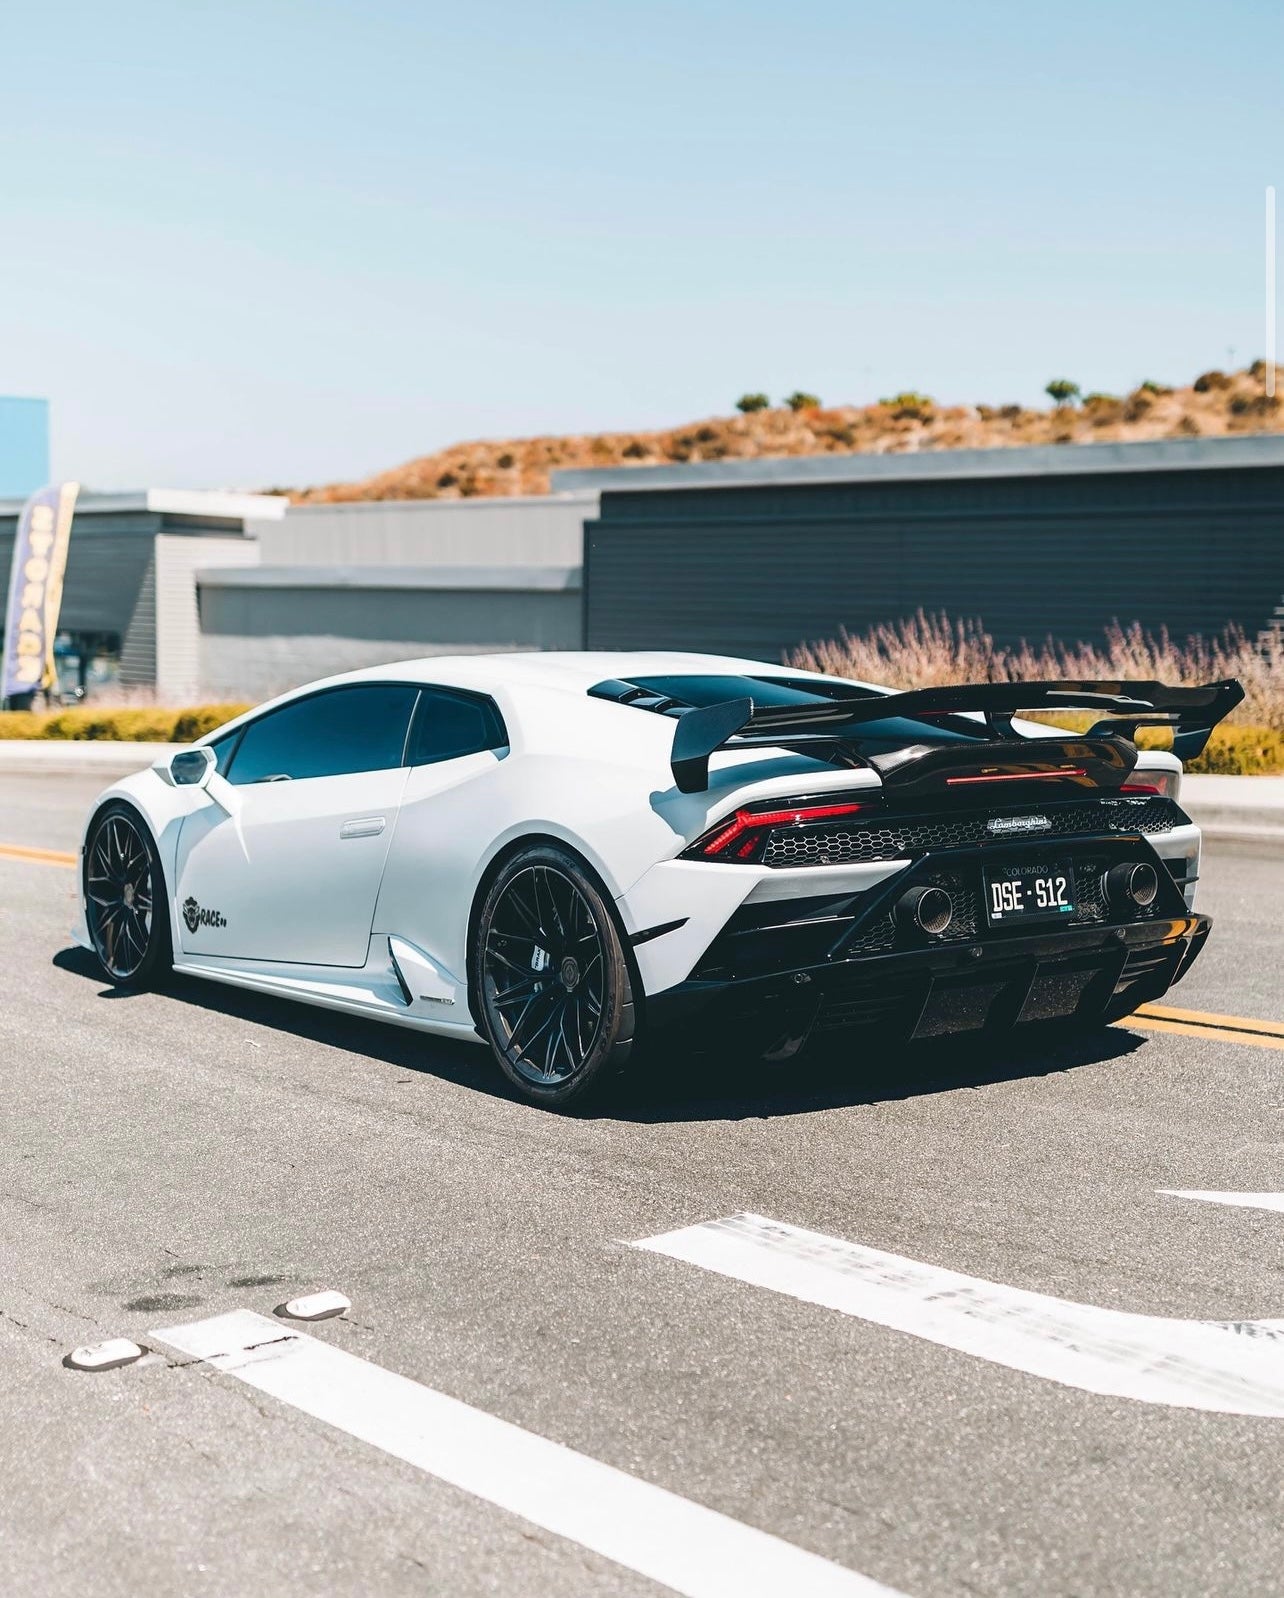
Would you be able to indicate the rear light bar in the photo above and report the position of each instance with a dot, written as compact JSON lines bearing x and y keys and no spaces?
{"x":740,"y":839}
{"x":1019,"y":776}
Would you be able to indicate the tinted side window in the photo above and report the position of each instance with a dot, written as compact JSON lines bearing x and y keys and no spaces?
{"x":343,"y":730}
{"x":223,"y":748}
{"x":449,"y":725}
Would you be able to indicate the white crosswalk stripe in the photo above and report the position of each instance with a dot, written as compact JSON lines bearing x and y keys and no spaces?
{"x":1232,"y":1367}
{"x":1247,"y":1201}
{"x":680,"y":1544}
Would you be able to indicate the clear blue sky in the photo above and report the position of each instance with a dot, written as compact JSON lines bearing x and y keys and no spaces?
{"x":260,"y":242}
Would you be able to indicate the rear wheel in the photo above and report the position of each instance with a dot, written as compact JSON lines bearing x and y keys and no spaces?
{"x":125,"y":900}
{"x":554,"y":994}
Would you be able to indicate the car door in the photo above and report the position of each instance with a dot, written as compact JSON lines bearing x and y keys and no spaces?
{"x":447,"y":816}
{"x":289,"y":870}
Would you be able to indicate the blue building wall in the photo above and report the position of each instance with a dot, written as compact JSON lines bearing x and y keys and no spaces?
{"x":24,"y":446}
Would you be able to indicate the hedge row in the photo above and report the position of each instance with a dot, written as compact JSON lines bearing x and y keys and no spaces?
{"x":121,"y":725}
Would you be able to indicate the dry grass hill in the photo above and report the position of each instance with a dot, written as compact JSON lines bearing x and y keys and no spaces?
{"x":1215,"y":404}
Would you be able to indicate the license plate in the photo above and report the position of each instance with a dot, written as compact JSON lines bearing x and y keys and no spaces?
{"x":1029,"y":893}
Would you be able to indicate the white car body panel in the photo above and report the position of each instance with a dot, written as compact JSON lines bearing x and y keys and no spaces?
{"x":313,"y":915}
{"x":293,"y":872}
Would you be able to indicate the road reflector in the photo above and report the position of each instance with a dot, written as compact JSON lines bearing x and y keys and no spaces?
{"x":108,"y":1356}
{"x":315,"y":1306}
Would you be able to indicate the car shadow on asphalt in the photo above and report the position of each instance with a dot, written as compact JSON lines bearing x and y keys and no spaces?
{"x":394,"y":1045}
{"x":676,"y":1083}
{"x":858,"y":1070}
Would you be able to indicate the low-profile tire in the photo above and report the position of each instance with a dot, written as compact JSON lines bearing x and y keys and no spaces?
{"x":552,"y":981}
{"x":126,"y":908}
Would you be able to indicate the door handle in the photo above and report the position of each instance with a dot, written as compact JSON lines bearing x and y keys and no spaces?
{"x":364,"y":827}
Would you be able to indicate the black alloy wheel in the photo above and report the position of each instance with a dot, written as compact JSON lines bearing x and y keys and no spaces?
{"x":556,"y":999}
{"x":125,"y":899}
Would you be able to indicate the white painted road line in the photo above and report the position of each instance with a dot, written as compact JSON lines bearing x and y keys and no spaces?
{"x":1248,"y":1201}
{"x":1234,"y":1368}
{"x":680,"y":1544}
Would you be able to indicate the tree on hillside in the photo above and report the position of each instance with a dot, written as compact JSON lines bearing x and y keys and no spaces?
{"x":800,"y":400}
{"x":1061,"y":391}
{"x":752,"y":402}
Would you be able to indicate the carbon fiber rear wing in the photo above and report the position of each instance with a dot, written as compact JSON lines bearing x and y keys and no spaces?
{"x":1191,"y":713}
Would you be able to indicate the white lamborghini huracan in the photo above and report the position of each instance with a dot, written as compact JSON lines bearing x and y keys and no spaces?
{"x":564,"y":854}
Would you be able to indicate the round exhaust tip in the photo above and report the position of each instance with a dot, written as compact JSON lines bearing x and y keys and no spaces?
{"x":929,"y":909}
{"x":1132,"y":886}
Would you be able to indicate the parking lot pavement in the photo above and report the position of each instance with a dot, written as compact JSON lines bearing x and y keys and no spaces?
{"x":897,"y":1399}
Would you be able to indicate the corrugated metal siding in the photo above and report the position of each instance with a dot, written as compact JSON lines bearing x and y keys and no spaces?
{"x":138,"y":646}
{"x":177,"y":625}
{"x":760,"y":570}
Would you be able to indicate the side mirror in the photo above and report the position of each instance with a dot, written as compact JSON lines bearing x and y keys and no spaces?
{"x":192,"y":768}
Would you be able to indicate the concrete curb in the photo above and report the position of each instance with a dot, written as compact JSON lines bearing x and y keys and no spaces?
{"x":88,"y":757}
{"x":1236,"y":809}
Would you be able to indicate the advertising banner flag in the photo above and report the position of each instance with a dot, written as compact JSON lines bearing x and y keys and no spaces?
{"x":35,"y":590}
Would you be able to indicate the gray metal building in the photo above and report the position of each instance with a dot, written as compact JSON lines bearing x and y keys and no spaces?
{"x":757,"y":557}
{"x":356,"y":584}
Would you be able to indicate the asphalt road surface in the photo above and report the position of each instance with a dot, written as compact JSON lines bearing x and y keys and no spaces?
{"x":172,"y":1158}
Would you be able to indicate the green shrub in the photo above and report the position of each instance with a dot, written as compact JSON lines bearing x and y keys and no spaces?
{"x":752,"y":402}
{"x":909,"y":405}
{"x":189,"y":725}
{"x":122,"y":724}
{"x":1061,"y":391}
{"x":801,"y":400}
{"x":1149,"y":386}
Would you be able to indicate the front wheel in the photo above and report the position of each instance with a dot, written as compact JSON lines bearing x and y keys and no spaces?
{"x":125,"y":907}
{"x":555,"y":999}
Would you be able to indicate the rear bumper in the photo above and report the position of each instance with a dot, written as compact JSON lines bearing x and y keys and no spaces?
{"x":1067,"y":974}
{"x":779,"y":972}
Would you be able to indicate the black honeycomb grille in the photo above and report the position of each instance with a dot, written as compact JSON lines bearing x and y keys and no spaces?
{"x":905,"y":838}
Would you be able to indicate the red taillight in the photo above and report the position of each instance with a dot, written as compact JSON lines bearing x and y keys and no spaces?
{"x":738,"y":838}
{"x":1154,"y":784}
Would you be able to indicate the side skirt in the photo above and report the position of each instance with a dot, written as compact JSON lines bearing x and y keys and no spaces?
{"x":373,"y":994}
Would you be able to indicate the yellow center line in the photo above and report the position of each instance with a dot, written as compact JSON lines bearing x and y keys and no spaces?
{"x":1205,"y":1018}
{"x":1150,"y":1023}
{"x":43,"y":857}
